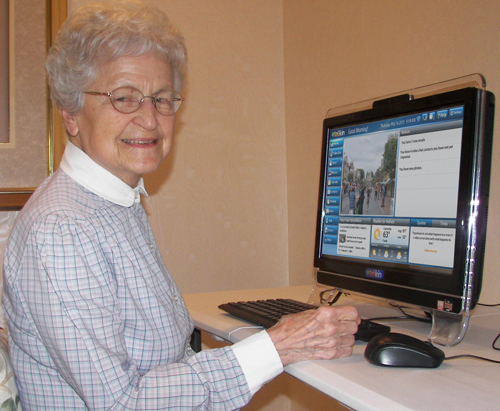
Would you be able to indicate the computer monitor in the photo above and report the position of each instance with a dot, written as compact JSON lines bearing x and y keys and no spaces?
{"x":403,"y":202}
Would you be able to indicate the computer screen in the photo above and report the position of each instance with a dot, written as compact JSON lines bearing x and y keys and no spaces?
{"x":403,"y":199}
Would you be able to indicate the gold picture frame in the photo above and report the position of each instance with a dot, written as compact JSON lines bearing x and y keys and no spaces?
{"x":35,"y":147}
{"x":4,"y":73}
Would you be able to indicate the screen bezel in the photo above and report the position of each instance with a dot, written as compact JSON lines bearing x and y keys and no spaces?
{"x":405,"y":282}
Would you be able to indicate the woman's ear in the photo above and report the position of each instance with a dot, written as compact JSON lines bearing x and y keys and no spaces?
{"x":70,"y":123}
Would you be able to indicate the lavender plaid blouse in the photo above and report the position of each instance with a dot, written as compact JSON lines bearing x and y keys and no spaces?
{"x":95,"y":319}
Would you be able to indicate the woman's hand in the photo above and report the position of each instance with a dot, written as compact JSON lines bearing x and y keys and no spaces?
{"x":321,"y":334}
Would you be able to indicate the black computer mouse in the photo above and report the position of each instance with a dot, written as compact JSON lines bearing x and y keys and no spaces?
{"x":400,"y":350}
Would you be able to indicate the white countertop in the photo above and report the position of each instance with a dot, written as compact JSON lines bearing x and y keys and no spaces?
{"x":457,"y":384}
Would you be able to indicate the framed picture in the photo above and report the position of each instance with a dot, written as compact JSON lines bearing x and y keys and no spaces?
{"x":4,"y":72}
{"x":27,"y":121}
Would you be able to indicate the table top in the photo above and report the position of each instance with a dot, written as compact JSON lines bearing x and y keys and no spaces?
{"x":456,"y":384}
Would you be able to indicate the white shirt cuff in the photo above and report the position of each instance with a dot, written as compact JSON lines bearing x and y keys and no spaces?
{"x":258,"y":359}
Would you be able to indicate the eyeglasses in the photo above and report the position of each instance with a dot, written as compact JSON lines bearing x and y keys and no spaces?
{"x":128,"y":100}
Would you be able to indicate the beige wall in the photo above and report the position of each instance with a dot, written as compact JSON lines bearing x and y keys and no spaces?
{"x":218,"y":205}
{"x":220,"y":216}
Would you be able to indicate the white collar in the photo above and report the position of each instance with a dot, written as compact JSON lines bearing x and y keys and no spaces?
{"x":86,"y":172}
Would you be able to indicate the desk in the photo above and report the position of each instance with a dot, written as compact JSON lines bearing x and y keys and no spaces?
{"x":456,"y":385}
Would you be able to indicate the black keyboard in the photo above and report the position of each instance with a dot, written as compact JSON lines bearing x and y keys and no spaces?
{"x":268,"y":312}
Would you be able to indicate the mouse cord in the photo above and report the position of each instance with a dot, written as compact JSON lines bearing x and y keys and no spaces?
{"x":325,"y":300}
{"x":426,"y":319}
{"x":405,"y":316}
{"x":493,"y":344}
{"x":475,"y":357}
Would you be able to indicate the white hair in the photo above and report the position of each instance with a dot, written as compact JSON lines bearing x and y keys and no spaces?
{"x":98,"y":33}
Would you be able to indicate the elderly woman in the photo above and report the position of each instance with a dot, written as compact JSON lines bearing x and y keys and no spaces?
{"x":95,"y":319}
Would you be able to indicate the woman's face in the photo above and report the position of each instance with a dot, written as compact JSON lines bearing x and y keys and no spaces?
{"x":127,"y":145}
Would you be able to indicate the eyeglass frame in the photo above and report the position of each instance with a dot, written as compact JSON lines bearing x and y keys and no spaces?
{"x":140,"y":101}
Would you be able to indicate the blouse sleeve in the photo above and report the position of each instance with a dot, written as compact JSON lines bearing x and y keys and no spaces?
{"x":71,"y":342}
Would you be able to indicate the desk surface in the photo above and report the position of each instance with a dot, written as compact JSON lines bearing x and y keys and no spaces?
{"x":457,"y":384}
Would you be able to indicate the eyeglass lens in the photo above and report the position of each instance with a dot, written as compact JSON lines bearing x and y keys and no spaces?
{"x":128,"y":99}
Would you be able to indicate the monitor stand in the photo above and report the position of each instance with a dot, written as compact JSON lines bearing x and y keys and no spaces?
{"x":448,"y":329}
